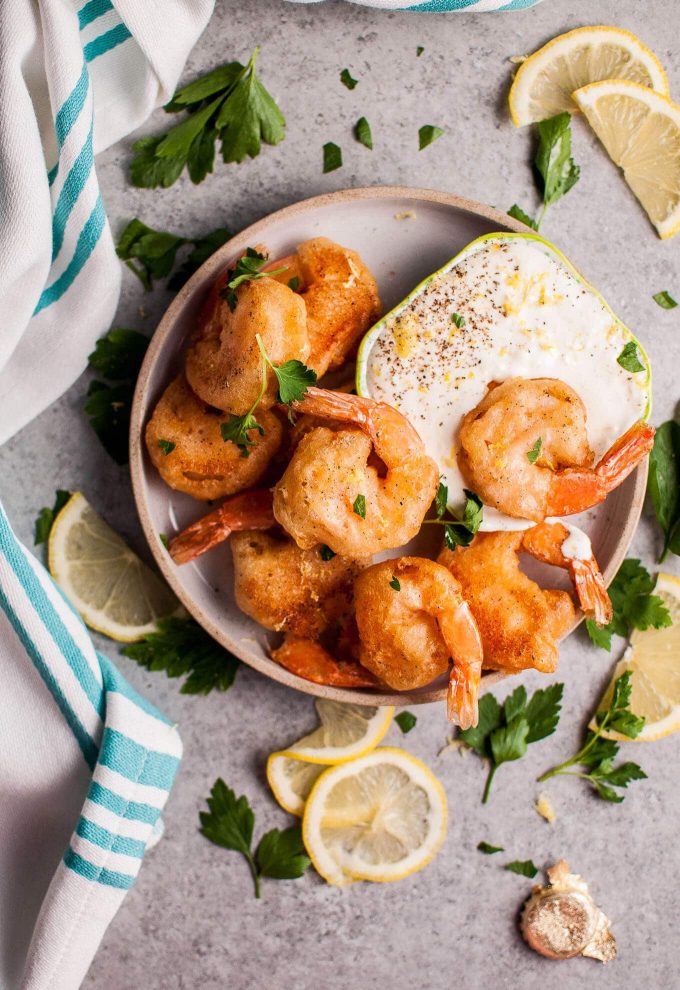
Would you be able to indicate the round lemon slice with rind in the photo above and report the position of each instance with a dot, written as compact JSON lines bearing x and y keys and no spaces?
{"x":346,"y":732}
{"x":545,"y":81}
{"x":640,"y":130}
{"x":381,"y":817}
{"x":653,"y":658}
{"x":114,"y":591}
{"x":291,"y":781}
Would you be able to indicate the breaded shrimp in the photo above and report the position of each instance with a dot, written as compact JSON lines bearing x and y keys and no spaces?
{"x":498,"y":434}
{"x":223,"y":362}
{"x":520,"y":622}
{"x":333,"y":493}
{"x":249,"y":510}
{"x":201,"y":463}
{"x":340,"y":296}
{"x":412,"y":621}
{"x":299,"y":592}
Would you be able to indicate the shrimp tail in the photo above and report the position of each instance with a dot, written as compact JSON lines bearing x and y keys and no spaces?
{"x":309,"y":660}
{"x":461,"y":636}
{"x":248,"y":510}
{"x":576,"y":489}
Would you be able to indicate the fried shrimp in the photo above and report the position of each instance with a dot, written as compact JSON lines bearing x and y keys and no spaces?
{"x":412,"y":621}
{"x":498,"y":434}
{"x":340,"y":295}
{"x":298,"y":592}
{"x":520,"y":622}
{"x":311,"y":661}
{"x":249,"y":510}
{"x":185,"y":444}
{"x":332,"y":492}
{"x":224,"y":363}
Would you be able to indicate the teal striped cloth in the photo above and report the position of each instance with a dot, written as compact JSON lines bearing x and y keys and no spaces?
{"x":471,"y":6}
{"x":120,"y":757}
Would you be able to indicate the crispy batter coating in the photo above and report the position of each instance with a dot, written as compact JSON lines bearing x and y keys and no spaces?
{"x":223,"y":361}
{"x":519,"y":622}
{"x":202,"y":464}
{"x":291,"y":590}
{"x":341,"y":299}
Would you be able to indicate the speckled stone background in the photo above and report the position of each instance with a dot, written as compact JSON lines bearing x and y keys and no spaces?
{"x":191,"y":920}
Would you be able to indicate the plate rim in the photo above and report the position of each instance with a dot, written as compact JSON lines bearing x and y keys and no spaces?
{"x":210,"y":269}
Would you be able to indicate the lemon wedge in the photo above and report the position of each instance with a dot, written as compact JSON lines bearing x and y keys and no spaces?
{"x":641,"y":131}
{"x":346,"y":731}
{"x":546,"y":80}
{"x":114,"y":591}
{"x":653,"y":658}
{"x":381,"y":817}
{"x":291,"y":781}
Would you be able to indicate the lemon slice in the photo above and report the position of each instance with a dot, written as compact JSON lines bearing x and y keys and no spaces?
{"x":115,"y":592}
{"x":545,"y":82}
{"x":653,"y":658}
{"x":380,"y":817}
{"x":346,"y":731}
{"x":641,"y":131}
{"x":291,"y":781}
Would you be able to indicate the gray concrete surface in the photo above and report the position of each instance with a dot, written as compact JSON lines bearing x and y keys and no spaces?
{"x":191,"y":920}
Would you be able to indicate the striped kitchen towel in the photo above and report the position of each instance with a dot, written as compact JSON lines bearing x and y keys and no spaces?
{"x":75,"y":76}
{"x":85,"y":769}
{"x":471,"y":6}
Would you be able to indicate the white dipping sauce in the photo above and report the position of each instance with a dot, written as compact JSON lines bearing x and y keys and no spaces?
{"x":577,"y":545}
{"x":526,"y":315}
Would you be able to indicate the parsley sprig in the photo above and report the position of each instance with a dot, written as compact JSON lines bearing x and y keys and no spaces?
{"x":293,"y":377}
{"x":663,"y":484}
{"x":230,"y":823}
{"x":229,"y":104}
{"x":458,"y":532}
{"x":556,"y":170}
{"x":152,"y":254}
{"x":503,"y":732}
{"x":248,"y":268}
{"x":634,"y":605}
{"x":597,"y":755}
{"x":181,"y":647}
{"x":117,"y":357}
{"x":46,"y":516}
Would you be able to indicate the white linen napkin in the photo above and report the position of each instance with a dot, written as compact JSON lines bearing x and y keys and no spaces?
{"x":75,"y":76}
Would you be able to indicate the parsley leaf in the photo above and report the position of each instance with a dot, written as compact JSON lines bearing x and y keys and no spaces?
{"x":167,"y":446}
{"x":629,"y":358}
{"x":230,"y":822}
{"x":525,"y":868}
{"x":597,"y":754}
{"x":633,"y":604}
{"x":155,"y":250}
{"x":46,"y":516}
{"x":359,"y":506}
{"x":346,"y":79}
{"x":248,"y":268}
{"x":118,"y":357}
{"x":326,"y":553}
{"x":489,"y":850}
{"x":665,"y":300}
{"x":237,"y":429}
{"x":294,"y":283}
{"x":396,"y":584}
{"x":458,"y":320}
{"x":406,"y":721}
{"x":503,"y":734}
{"x":281,"y":854}
{"x":518,"y":213}
{"x":419,"y":51}
{"x":332,"y":156}
{"x":553,"y":158}
{"x":203,"y":248}
{"x":294,"y":379}
{"x":427,"y":134}
{"x":663,"y":484}
{"x":228,"y":104}
{"x":180,"y":646}
{"x":462,"y":531}
{"x":440,"y":499}
{"x":362,"y":132}
{"x":535,"y":452}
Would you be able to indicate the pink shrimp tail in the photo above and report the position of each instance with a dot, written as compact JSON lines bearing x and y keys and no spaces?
{"x":591,"y":591}
{"x":462,"y":698}
{"x":248,"y":510}
{"x":576,"y":489}
{"x":461,"y":636}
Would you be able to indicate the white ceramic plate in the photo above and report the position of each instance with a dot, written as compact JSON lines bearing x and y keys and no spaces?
{"x":403,"y":235}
